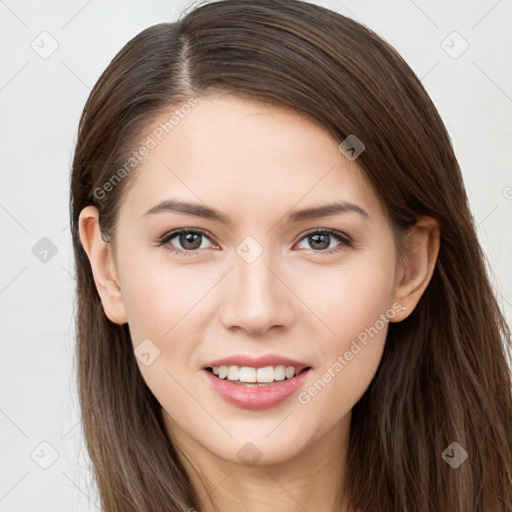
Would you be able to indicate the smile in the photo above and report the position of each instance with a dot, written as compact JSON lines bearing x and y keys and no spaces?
{"x":255,"y":388}
{"x":248,"y":374}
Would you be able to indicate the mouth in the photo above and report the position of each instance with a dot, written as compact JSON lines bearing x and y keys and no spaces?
{"x":256,"y":377}
{"x":256,"y":388}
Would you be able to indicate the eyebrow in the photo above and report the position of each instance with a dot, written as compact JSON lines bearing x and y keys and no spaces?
{"x":206,"y":212}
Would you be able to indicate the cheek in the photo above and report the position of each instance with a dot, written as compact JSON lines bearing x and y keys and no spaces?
{"x":150,"y":306}
{"x":165,"y":304}
{"x":161,"y":304}
{"x":351,"y":296}
{"x":159,"y":296}
{"x":355,"y":311}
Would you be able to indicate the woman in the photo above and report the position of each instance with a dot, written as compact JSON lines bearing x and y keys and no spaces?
{"x":282,"y":303}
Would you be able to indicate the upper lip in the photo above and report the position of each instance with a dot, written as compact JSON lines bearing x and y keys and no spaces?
{"x":257,"y":362}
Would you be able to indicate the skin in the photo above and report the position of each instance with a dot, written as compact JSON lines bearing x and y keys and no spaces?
{"x":256,"y":163}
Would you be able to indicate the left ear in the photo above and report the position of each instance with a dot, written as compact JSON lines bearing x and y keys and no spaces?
{"x":421,"y":248}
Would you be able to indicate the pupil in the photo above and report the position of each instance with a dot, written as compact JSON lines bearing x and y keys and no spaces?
{"x":188,"y":238}
{"x":323,"y":245}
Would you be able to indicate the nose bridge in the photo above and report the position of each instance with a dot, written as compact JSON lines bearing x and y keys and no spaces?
{"x":258,"y":299}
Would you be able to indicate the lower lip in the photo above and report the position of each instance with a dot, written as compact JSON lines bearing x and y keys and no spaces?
{"x":256,"y":397}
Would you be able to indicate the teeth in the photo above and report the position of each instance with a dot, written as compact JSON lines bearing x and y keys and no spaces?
{"x":249,"y":374}
{"x":233,"y":372}
{"x":269,"y":373}
{"x":246,"y":374}
{"x":290,"y":372}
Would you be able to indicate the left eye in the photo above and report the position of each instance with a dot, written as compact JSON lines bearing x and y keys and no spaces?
{"x":319,"y":237}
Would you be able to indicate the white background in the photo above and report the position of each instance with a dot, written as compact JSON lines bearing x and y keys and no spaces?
{"x":40,"y":103}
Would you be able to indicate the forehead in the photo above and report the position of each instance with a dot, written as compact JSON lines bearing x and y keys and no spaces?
{"x":257,"y":156}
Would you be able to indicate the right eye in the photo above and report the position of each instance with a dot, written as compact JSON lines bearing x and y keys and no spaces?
{"x":187,"y":238}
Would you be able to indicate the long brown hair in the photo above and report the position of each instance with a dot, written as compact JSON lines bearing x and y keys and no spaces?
{"x":444,"y":375}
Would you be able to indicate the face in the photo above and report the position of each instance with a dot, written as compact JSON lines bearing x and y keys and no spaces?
{"x":263,"y":282}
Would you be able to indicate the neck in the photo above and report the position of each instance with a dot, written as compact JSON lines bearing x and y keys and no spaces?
{"x":310,"y":480}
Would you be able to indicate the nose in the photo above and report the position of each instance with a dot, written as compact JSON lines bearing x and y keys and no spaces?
{"x":257,"y":298}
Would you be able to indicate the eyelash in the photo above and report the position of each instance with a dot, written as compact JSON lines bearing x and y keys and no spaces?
{"x":344,"y":240}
